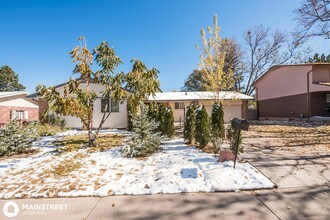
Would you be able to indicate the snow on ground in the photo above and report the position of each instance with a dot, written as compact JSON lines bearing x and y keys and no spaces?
{"x":178,"y":168}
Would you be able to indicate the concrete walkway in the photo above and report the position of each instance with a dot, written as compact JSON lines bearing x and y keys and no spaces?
{"x":303,"y":193}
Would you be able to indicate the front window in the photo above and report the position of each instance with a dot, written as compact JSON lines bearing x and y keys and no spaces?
{"x":104,"y":105}
{"x":328,"y":101}
{"x":179,"y":105}
{"x":114,"y":105}
{"x":19,"y":115}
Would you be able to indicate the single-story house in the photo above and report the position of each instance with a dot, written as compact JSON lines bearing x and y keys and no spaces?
{"x":294,"y":91}
{"x":234,"y":103}
{"x":16,"y":106}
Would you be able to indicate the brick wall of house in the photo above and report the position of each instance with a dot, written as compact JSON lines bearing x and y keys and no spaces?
{"x":43,"y":105}
{"x":5,"y":113}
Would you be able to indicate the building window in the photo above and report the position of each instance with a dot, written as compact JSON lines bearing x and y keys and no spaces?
{"x":114,"y":105}
{"x":104,"y":105}
{"x":179,"y":105}
{"x":19,"y":115}
{"x":328,"y":102}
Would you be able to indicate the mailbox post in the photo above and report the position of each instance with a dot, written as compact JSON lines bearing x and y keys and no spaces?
{"x":239,"y":124}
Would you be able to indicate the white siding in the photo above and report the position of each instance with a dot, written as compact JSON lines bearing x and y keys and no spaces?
{"x":115,"y":120}
{"x":231,"y":109}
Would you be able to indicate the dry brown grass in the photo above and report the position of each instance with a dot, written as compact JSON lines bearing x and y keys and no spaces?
{"x":28,"y":153}
{"x":76,"y":142}
{"x":309,"y":137}
{"x":66,"y":166}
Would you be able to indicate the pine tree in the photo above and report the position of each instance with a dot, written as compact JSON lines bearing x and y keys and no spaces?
{"x":202,"y":133}
{"x":217,"y":119}
{"x":145,"y":140}
{"x":131,"y":110}
{"x":169,"y":129}
{"x":161,"y":118}
{"x":9,"y":80}
{"x":189,"y":124}
{"x":15,"y":139}
{"x":217,"y":126}
{"x":153,"y":110}
{"x":232,"y":135}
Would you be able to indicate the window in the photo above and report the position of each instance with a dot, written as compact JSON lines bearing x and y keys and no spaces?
{"x":104,"y":105}
{"x":328,"y":101}
{"x":114,"y":105}
{"x":179,"y":105}
{"x":19,"y":115}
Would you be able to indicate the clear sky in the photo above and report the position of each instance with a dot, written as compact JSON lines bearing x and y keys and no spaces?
{"x":36,"y":36}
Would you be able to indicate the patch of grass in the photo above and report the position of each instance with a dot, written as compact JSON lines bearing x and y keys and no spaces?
{"x":76,"y":142}
{"x":65,"y":167}
{"x":28,"y":153}
{"x":47,"y":130}
{"x":311,"y":137}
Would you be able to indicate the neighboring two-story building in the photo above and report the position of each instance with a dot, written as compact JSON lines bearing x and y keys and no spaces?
{"x":294,"y":91}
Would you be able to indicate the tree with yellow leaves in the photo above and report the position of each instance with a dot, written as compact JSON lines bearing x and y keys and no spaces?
{"x":212,"y":61}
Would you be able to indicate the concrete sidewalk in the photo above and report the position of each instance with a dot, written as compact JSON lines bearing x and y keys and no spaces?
{"x":303,"y":193}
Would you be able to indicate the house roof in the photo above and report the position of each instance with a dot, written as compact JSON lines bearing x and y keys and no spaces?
{"x":288,"y":65}
{"x":182,"y":96}
{"x":34,"y":95}
{"x":15,"y":93}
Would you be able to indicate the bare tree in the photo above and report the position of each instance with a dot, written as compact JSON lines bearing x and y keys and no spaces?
{"x":313,"y":17}
{"x":265,"y":49}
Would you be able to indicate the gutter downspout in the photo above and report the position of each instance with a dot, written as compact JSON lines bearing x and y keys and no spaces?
{"x":308,"y":96}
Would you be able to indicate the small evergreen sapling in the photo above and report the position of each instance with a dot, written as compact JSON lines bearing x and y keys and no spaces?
{"x":161,"y":118}
{"x":232,"y":135}
{"x":202,"y":133}
{"x":169,"y":129}
{"x":131,"y":110}
{"x":15,"y":139}
{"x":189,"y":125}
{"x":153,"y":110}
{"x":145,"y":140}
{"x":217,"y":127}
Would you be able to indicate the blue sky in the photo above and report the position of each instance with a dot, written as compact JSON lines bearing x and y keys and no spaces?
{"x":36,"y":36}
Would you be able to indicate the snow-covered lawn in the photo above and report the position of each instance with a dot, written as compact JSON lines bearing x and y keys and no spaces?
{"x":178,"y":168}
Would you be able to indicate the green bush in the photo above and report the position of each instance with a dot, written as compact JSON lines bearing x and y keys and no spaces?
{"x":169,"y":129}
{"x":232,"y":135}
{"x":164,"y":116}
{"x":145,"y":140}
{"x":131,"y":110}
{"x":202,"y":133}
{"x":16,"y":139}
{"x":50,"y":124}
{"x":48,"y":130}
{"x":189,"y":124}
{"x":217,"y":127}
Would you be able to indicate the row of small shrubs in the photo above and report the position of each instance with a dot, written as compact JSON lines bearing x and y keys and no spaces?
{"x":203,"y":129}
{"x":145,"y":138}
{"x":50,"y":124}
{"x":158,"y":112}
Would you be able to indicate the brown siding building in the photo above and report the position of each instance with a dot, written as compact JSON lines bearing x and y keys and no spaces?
{"x":294,"y":91}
